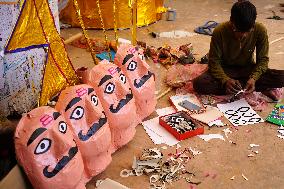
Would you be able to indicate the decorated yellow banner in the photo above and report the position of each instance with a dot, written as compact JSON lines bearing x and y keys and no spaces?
{"x":35,"y":28}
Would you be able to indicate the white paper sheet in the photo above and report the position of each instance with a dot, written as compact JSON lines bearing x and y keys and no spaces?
{"x":211,"y":136}
{"x":157,"y":133}
{"x":240,"y":113}
{"x":165,"y":111}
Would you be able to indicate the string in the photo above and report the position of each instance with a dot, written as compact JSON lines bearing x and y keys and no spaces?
{"x":79,"y":17}
{"x":104,"y":30}
{"x":115,"y":23}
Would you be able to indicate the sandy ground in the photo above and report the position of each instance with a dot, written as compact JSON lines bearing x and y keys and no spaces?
{"x":226,"y":160}
{"x":265,"y":170}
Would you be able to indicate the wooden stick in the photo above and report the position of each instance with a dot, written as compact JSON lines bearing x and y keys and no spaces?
{"x":9,"y":3}
{"x":276,"y":40}
{"x":73,"y":38}
{"x":164,"y":93}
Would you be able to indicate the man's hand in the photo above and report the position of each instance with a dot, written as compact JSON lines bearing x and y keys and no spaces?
{"x":233,"y":86}
{"x":250,"y":86}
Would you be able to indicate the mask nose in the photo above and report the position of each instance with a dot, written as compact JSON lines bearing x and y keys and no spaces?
{"x":121,"y":90}
{"x":92,"y":114}
{"x":60,"y":145}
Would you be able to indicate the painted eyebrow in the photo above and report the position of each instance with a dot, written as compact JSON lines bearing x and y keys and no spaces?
{"x":127,"y":57}
{"x":104,"y":79}
{"x":72,"y":102}
{"x":35,"y":134}
{"x":56,"y":115}
{"x":90,"y":90}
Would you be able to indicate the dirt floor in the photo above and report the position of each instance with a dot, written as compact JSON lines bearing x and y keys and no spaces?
{"x":221,"y":157}
{"x":226,"y":160}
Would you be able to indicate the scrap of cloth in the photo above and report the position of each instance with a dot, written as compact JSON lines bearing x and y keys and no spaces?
{"x":179,"y":74}
{"x":256,"y":100}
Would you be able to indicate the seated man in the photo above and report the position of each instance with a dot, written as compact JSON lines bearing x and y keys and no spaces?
{"x":231,"y":57}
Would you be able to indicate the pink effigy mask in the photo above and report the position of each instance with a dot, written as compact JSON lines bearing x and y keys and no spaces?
{"x":83,"y":111}
{"x":132,"y":62}
{"x":117,"y":99}
{"x":46,"y":149}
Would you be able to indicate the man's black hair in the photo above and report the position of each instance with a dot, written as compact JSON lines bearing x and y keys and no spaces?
{"x":243,"y":15}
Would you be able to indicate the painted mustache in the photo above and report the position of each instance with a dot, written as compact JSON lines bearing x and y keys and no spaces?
{"x":61,"y":164}
{"x":121,"y":103}
{"x":92,"y":130}
{"x":143,"y":80}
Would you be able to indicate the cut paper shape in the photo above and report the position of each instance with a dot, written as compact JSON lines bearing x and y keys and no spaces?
{"x":157,"y":133}
{"x":240,"y":113}
{"x":217,"y":123}
{"x":211,"y":114}
{"x":211,"y":136}
{"x":36,"y":20}
{"x":277,"y":115}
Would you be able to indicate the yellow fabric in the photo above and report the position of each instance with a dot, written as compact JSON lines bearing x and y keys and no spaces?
{"x":30,"y":30}
{"x":149,"y":11}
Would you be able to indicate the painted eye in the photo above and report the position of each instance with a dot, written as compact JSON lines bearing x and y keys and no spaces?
{"x":62,"y":127}
{"x":141,"y":56}
{"x":109,"y":88}
{"x":94,"y":99}
{"x":122,"y":78}
{"x":132,"y":66}
{"x":77,"y":113}
{"x":43,"y":146}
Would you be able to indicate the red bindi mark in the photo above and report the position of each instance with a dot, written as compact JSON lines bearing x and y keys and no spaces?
{"x":81,"y":91}
{"x":112,"y":70}
{"x":46,"y":120}
{"x":132,"y":50}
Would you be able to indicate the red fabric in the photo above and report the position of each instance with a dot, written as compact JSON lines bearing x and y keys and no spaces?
{"x":179,"y":74}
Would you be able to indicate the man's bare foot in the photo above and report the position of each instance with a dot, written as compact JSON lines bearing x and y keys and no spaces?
{"x":274,"y":94}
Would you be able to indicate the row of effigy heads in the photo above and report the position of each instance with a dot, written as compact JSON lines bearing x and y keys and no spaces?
{"x":63,"y":147}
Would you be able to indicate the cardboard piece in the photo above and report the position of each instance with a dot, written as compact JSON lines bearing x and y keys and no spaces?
{"x":211,"y":114}
{"x":16,"y":179}
{"x":111,"y":184}
{"x":177,"y":99}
